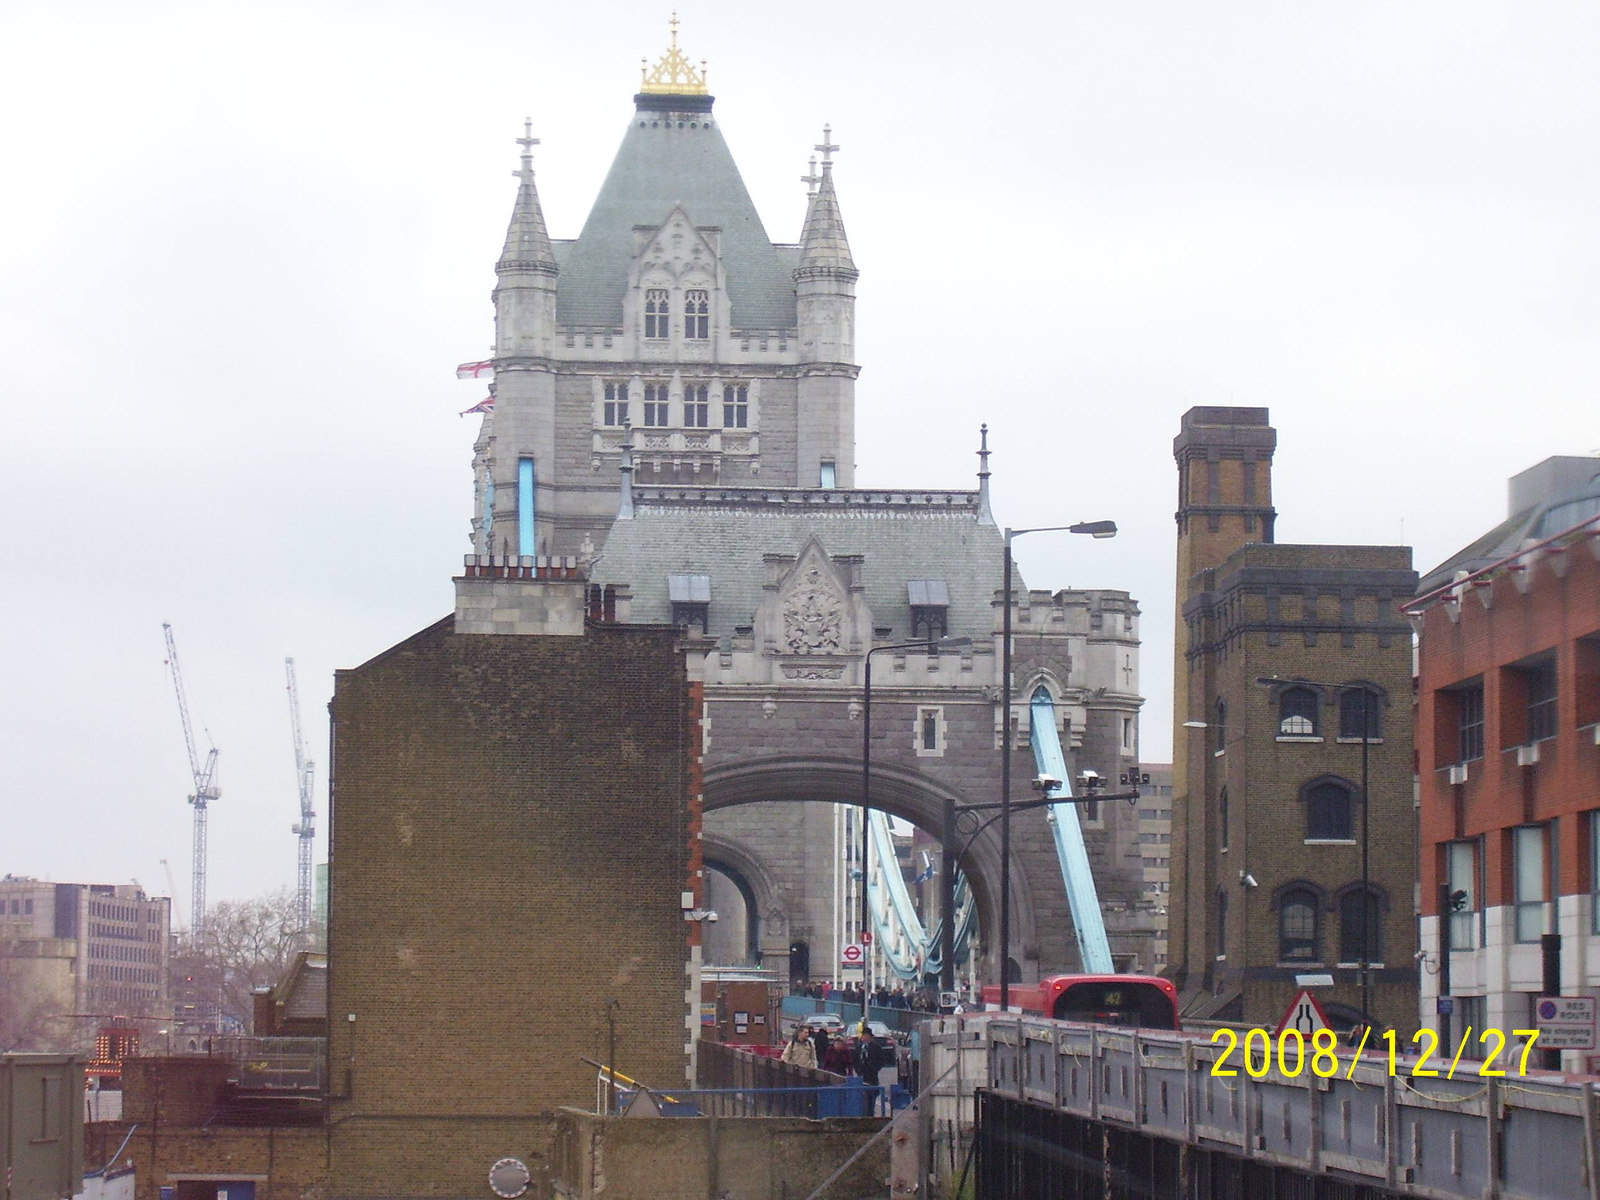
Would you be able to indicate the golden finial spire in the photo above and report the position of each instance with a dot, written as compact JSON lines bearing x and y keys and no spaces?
{"x":674,"y":75}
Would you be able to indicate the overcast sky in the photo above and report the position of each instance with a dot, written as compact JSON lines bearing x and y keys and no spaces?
{"x":243,"y":246}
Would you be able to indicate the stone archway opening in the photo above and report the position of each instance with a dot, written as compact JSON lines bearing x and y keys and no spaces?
{"x":734,"y":939}
{"x":778,"y":792}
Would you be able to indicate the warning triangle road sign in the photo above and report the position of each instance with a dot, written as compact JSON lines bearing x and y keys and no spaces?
{"x":1305,"y":1014}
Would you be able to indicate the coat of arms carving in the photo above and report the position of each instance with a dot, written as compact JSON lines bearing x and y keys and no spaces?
{"x":813,"y":615}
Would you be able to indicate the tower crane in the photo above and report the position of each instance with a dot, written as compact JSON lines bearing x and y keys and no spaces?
{"x":304,"y":773}
{"x":205,"y":791}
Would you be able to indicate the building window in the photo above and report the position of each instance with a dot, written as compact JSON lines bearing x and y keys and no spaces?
{"x":697,"y":314}
{"x":1297,"y":927}
{"x":1542,"y":700}
{"x":930,"y":608}
{"x":736,"y":406}
{"x":1461,"y":873}
{"x":827,"y":476}
{"x":1221,"y":723}
{"x":1329,"y":812}
{"x":656,"y":313}
{"x":696,"y":411}
{"x":1222,"y":923}
{"x":1297,"y":712}
{"x":1527,"y":850}
{"x":1354,"y":703}
{"x":930,"y":733}
{"x":690,"y":596}
{"x":1469,"y":721}
{"x":656,"y":407}
{"x":1356,"y":946}
{"x":616,"y":404}
{"x":1222,"y":815}
{"x":1127,"y":734}
{"x":1594,"y":872}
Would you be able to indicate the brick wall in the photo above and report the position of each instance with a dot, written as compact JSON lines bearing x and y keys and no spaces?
{"x":511,"y":833}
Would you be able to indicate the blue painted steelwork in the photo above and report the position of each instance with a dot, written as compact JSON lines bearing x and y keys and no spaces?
{"x":525,"y":539}
{"x":1093,"y":947}
{"x":911,"y":951}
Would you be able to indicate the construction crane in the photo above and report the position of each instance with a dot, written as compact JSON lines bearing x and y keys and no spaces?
{"x":172,"y":890}
{"x":205,"y":791}
{"x":304,"y":773}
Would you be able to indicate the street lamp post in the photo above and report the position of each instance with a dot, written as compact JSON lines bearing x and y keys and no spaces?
{"x":944,"y":643}
{"x":1097,"y":529}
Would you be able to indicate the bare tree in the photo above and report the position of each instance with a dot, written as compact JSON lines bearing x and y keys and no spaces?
{"x":31,"y":1018}
{"x":249,"y":944}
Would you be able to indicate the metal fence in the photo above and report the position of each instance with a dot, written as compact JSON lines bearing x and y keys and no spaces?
{"x":274,"y":1064}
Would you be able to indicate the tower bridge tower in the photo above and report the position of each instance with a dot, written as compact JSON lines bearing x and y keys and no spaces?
{"x":731,"y":356}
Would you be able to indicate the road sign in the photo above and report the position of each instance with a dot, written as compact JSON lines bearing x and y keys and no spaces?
{"x":1446,"y":1005}
{"x":852,"y":955}
{"x":1305,"y":1014}
{"x":1565,"y":1022}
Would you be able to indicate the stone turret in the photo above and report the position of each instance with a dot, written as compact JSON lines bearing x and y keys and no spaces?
{"x":825,"y":303}
{"x":520,"y":455}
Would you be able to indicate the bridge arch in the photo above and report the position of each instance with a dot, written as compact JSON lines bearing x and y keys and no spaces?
{"x":900,"y":791}
{"x":768,"y":930}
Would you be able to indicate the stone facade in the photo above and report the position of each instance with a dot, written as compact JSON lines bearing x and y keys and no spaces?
{"x":1267,"y":813}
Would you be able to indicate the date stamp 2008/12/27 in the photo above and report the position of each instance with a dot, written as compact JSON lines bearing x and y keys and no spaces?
{"x":1295,"y":1053}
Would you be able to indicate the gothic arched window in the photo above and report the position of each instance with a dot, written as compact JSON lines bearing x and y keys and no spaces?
{"x":1297,"y":712}
{"x":696,"y":410}
{"x":655,"y":405}
{"x":697,"y":314}
{"x":1297,"y":926}
{"x":656,"y":314}
{"x":1330,"y":806}
{"x":616,"y":404}
{"x":1356,"y":704}
{"x":1354,"y":947}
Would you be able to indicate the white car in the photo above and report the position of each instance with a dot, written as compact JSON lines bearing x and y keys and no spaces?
{"x":832,"y":1022}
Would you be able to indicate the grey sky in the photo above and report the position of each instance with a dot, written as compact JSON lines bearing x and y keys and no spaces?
{"x":242,"y":248}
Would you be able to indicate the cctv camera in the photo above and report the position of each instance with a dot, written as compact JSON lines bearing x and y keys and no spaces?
{"x":1046,"y":783}
{"x":712,"y":915}
{"x":1090,"y":780}
{"x":1420,"y":955}
{"x":1248,"y":879}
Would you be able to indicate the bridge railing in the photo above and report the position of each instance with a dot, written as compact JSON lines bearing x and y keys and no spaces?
{"x":1473,"y":1136}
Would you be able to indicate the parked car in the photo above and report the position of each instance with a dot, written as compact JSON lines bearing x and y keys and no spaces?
{"x":879,"y":1029}
{"x":832,"y":1022}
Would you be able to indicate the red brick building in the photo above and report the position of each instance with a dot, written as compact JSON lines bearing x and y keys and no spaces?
{"x":1508,"y":750}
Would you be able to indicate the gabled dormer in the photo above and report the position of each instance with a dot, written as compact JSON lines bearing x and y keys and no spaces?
{"x":676,"y":306}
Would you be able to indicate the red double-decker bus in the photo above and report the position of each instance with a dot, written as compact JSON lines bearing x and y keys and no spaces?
{"x":1135,"y":1001}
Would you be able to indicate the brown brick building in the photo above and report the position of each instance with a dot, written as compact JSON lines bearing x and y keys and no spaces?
{"x":1508,"y":709}
{"x":1276,"y":647}
{"x":513,"y":816}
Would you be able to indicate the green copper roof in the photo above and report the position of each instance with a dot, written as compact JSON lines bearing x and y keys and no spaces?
{"x":667,"y":159}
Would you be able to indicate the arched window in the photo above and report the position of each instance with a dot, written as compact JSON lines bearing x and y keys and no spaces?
{"x":696,"y":411}
{"x":1298,"y":942}
{"x":1222,"y":923}
{"x":1329,"y":811}
{"x":1297,"y":712}
{"x":656,"y":313}
{"x":1353,"y":947}
{"x":656,"y":405}
{"x":696,"y":314}
{"x":1356,"y":703}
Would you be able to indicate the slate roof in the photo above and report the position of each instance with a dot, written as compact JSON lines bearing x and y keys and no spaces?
{"x":657,"y":166}
{"x":726,"y":539}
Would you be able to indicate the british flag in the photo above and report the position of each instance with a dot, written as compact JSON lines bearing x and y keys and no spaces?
{"x":477,"y":370}
{"x":486,"y":405}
